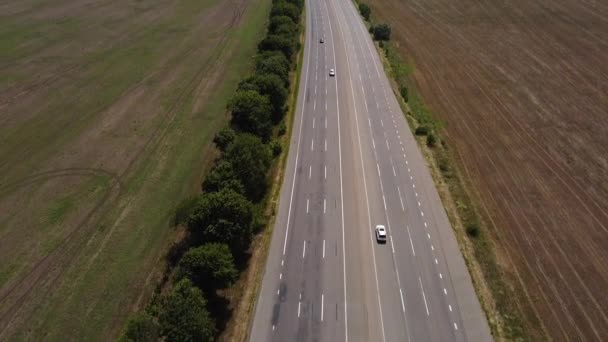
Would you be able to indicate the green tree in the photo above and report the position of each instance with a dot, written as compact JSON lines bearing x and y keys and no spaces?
{"x":281,"y":8}
{"x":273,"y":62}
{"x":365,"y":11}
{"x":141,"y":328}
{"x":184,"y":316}
{"x":431,"y":140}
{"x":251,"y":112}
{"x":225,"y":217}
{"x":253,"y":159}
{"x":210,"y":266}
{"x":222,"y":176}
{"x":271,"y":86}
{"x":280,"y":20}
{"x":224,"y":138}
{"x":381,"y":32}
{"x":274,"y":42}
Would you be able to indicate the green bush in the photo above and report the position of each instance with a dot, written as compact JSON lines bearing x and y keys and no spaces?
{"x":251,"y":160}
{"x":276,"y":148}
{"x":422,"y":130}
{"x":222,"y":176}
{"x":184,"y":316}
{"x":473,"y":230}
{"x":271,"y":86}
{"x":283,"y":43}
{"x":381,"y":32}
{"x":404,"y":93}
{"x":365,"y":11}
{"x":273,"y":62}
{"x":141,"y":328}
{"x":224,"y":217}
{"x":431,"y":140}
{"x":283,"y":8}
{"x":224,"y":138}
{"x":282,"y":128}
{"x":210,"y":266}
{"x":251,"y":112}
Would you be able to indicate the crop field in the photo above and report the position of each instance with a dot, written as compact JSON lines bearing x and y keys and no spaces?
{"x":522,"y":90}
{"x":107,"y":110}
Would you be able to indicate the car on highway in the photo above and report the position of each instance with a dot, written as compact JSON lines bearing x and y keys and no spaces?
{"x":380,"y":234}
{"x":321,"y":41}
{"x":332,"y":72}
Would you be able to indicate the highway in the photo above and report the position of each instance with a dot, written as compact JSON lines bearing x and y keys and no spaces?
{"x":353,"y":164}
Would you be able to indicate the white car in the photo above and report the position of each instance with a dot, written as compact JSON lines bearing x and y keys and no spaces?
{"x":332,"y":72}
{"x":380,"y":233}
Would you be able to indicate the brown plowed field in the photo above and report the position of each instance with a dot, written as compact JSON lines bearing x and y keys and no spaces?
{"x":522,"y":87}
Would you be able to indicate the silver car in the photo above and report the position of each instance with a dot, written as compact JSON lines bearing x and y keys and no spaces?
{"x":332,"y":72}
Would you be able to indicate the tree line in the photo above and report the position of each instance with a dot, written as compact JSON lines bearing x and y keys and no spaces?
{"x":224,"y":217}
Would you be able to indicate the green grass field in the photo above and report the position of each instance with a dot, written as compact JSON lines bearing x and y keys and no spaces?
{"x":107,"y":111}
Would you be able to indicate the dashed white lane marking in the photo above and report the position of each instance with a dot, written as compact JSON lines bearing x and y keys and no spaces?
{"x":309,"y":171}
{"x":440,"y":276}
{"x":425,"y":225}
{"x":382,"y":124}
{"x":388,"y":147}
{"x":436,"y":262}
{"x":322,"y":299}
{"x":324,"y":205}
{"x":406,"y":163}
{"x":369,"y":123}
{"x":421,"y":213}
{"x":278,"y":292}
{"x":423,"y":297}
{"x":400,"y":199}
{"x":455,"y":326}
{"x":304,"y":250}
{"x":325,"y":171}
{"x":373,"y":143}
{"x":428,"y":235}
{"x":307,"y":201}
{"x":323,"y":249}
{"x":314,"y":105}
{"x":326,"y":123}
{"x":408,"y":170}
{"x":432,"y":248}
{"x":450,"y":307}
{"x":273,"y":327}
{"x":418,"y":203}
{"x":326,"y":106}
{"x":394,"y":173}
{"x":411,"y":242}
{"x":280,"y":276}
{"x":312,"y":145}
{"x":413,"y":186}
{"x":402,"y":302}
{"x":392,"y":246}
{"x":282,"y":262}
{"x":445,"y":292}
{"x":411,"y":177}
{"x":299,"y":305}
{"x":325,"y":144}
{"x":313,"y":122}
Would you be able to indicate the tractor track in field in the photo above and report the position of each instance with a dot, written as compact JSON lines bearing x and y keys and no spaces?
{"x":48,"y":271}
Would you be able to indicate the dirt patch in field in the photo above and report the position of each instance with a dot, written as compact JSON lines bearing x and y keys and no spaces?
{"x":521,"y":88}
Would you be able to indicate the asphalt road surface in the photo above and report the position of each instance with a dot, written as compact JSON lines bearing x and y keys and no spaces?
{"x":354,"y":164}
